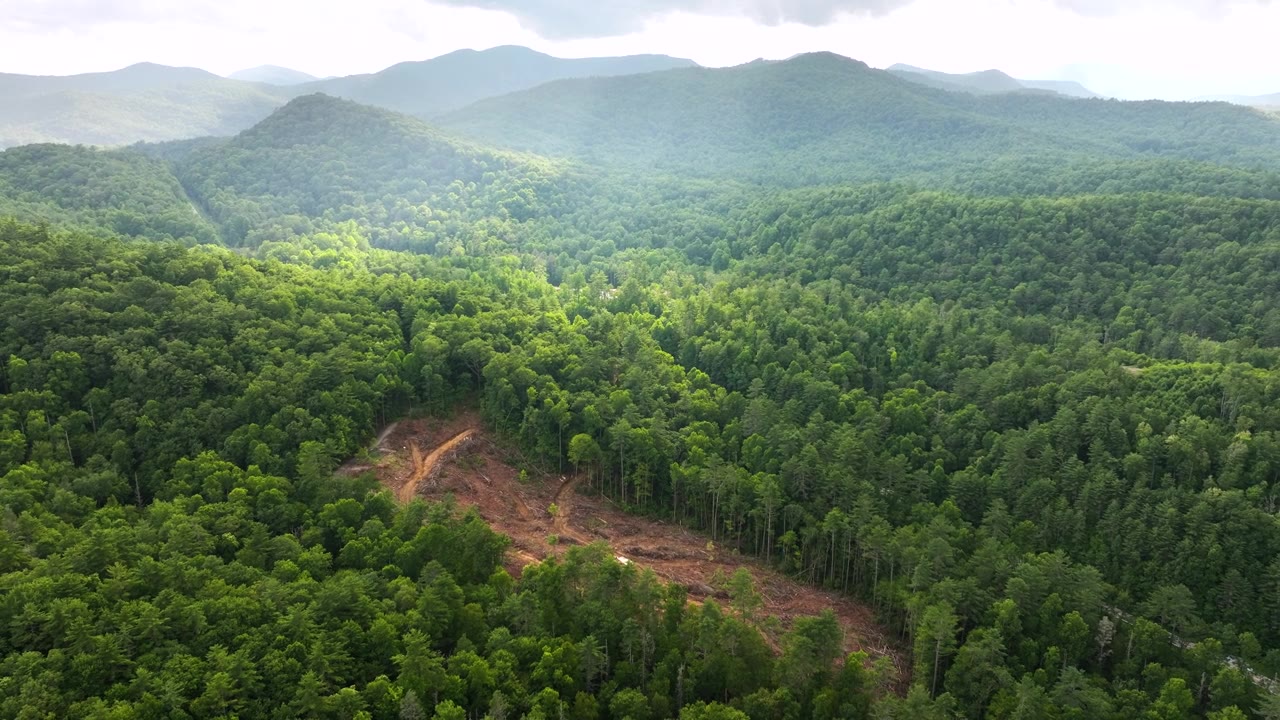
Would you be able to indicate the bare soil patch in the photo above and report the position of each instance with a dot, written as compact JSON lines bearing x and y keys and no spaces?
{"x":435,"y":458}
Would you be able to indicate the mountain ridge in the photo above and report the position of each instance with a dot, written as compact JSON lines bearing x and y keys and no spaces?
{"x":147,"y":102}
{"x":825,"y":118}
{"x":141,"y":102}
{"x":460,"y":78}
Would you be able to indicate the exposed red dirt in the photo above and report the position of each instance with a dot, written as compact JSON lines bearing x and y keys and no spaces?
{"x":426,"y":468}
{"x":464,"y":462}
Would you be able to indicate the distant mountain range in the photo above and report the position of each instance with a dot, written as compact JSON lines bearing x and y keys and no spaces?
{"x":141,"y":102}
{"x":460,"y":78}
{"x":988,"y":82}
{"x":825,"y":118}
{"x":816,"y":113}
{"x":812,"y":120}
{"x":273,"y":75}
{"x":150,"y":102}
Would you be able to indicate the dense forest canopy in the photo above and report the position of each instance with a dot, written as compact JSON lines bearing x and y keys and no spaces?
{"x":119,"y":191}
{"x":1020,"y":399}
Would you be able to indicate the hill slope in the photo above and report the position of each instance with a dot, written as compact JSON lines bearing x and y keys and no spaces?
{"x":139,"y":103}
{"x":822,"y":117}
{"x":460,"y":78}
{"x":326,"y":158}
{"x":119,"y":190}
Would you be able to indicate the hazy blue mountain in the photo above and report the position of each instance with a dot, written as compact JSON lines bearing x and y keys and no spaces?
{"x":988,"y":82}
{"x":452,"y":81}
{"x":142,"y":76}
{"x":156,"y":103}
{"x":985,"y":82}
{"x":273,"y":75}
{"x":144,"y":102}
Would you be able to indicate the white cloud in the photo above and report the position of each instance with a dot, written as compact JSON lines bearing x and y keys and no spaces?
{"x":568,"y":19}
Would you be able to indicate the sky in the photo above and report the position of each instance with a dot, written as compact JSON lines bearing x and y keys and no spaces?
{"x":1173,"y":49}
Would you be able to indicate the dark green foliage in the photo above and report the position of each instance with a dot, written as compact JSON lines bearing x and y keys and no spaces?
{"x":174,"y":540}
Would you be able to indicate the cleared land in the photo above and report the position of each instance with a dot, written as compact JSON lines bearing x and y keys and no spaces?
{"x":434,"y":458}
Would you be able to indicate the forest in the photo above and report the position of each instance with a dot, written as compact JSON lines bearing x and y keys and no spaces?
{"x":1029,"y":418}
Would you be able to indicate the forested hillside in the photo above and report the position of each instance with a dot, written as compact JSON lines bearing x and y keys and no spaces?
{"x":119,"y":191}
{"x":174,"y":541}
{"x":324,"y":158}
{"x":1029,"y":419}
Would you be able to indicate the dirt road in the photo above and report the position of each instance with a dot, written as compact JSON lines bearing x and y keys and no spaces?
{"x":424,"y":468}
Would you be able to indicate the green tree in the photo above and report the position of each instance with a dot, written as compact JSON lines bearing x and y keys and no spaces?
{"x":935,"y":640}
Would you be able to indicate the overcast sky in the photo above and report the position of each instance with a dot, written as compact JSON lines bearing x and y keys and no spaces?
{"x":1129,"y":48}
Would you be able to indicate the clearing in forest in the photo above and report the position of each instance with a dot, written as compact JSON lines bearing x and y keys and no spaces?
{"x":433,"y":458}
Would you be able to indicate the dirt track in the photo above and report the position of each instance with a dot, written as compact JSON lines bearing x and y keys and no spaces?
{"x":466,"y":464}
{"x":424,"y":468}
